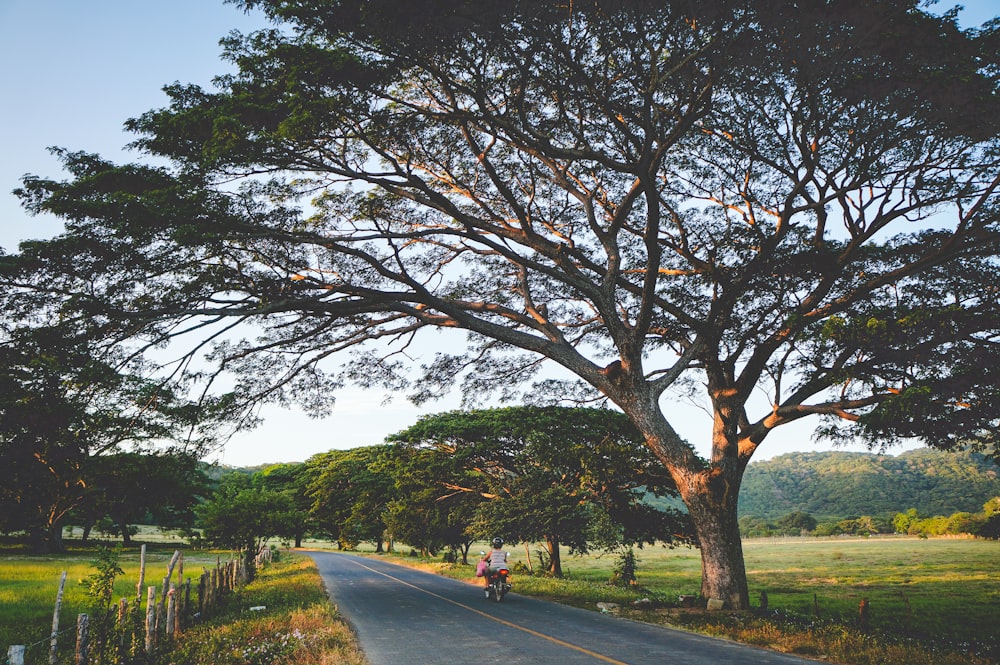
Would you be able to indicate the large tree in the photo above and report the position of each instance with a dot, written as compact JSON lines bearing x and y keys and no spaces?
{"x":789,"y":208}
{"x":549,"y":474}
{"x":423,"y":512}
{"x":349,"y":493}
{"x":291,"y":480}
{"x":131,"y":488}
{"x":64,"y":412}
{"x":244,"y":515}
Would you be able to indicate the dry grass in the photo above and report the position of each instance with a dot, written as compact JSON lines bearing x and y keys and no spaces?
{"x":298,"y":626}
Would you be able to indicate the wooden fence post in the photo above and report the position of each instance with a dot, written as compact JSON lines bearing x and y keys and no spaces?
{"x":125,"y":629}
{"x":161,"y":609}
{"x":142,"y":573}
{"x":185,"y":615}
{"x":82,"y":638}
{"x":171,"y":611}
{"x":15,"y":654}
{"x":203,"y":593}
{"x":150,"y":620}
{"x":54,"y":638}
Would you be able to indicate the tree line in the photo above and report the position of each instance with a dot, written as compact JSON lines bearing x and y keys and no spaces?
{"x":575,"y":478}
{"x":837,"y":484}
{"x":984,"y":523}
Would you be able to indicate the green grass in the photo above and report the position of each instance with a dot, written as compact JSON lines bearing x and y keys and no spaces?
{"x":29,"y":585}
{"x":926,"y":596}
{"x":298,"y":627}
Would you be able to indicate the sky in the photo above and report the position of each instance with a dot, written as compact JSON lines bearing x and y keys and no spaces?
{"x":73,"y":71}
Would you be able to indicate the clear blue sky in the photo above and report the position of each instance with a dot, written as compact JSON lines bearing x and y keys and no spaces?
{"x":72,"y":71}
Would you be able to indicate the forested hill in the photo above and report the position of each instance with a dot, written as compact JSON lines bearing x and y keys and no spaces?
{"x":843,"y":484}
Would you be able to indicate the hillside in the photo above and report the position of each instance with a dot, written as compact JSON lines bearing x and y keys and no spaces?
{"x":843,"y":484}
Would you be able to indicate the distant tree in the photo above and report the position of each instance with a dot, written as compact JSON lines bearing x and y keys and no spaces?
{"x":423,"y":514}
{"x":786,"y":210}
{"x":906,"y":522}
{"x":292,"y":481}
{"x":991,"y":526}
{"x":545,"y":470}
{"x":244,"y":517}
{"x":349,"y":494}
{"x":796,"y":523}
{"x":755,"y":527}
{"x":129,"y":488}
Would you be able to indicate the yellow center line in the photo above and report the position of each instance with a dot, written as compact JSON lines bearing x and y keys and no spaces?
{"x":509,"y":624}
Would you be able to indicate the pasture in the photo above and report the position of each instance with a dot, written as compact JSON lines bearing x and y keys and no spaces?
{"x":29,"y":585}
{"x":949,"y":588}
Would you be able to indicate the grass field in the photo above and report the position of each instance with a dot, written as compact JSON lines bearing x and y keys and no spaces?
{"x":949,"y":588}
{"x":298,"y":627}
{"x":29,"y":585}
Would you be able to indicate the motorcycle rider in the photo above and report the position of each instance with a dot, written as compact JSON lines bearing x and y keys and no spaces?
{"x":495,"y":560}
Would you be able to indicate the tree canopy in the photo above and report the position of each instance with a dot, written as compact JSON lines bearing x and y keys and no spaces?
{"x":63,"y":410}
{"x":785,"y":209}
{"x":551,"y":474}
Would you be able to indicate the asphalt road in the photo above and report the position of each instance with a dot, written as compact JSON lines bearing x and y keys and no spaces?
{"x":402,"y":615}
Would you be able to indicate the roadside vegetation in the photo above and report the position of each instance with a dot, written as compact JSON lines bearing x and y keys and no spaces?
{"x":930,"y":601}
{"x":297,"y":625}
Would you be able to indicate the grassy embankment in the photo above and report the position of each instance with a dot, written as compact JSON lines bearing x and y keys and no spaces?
{"x":299,"y":627}
{"x":932,"y":602}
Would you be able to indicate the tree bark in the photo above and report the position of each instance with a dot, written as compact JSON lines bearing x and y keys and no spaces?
{"x":126,"y":536}
{"x":713,"y":512}
{"x":555,"y":561}
{"x":709,"y":490}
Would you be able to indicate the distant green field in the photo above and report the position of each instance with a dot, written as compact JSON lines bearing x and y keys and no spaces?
{"x":949,"y":588}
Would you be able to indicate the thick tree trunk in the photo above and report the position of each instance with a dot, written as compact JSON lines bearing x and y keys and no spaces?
{"x":555,"y":561}
{"x":126,"y":536}
{"x":46,"y":540}
{"x":723,"y":572}
{"x":709,"y":490}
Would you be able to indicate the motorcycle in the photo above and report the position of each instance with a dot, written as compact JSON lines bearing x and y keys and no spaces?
{"x":497,"y":582}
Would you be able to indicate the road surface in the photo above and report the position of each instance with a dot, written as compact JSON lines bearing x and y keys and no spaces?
{"x":402,"y":615}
